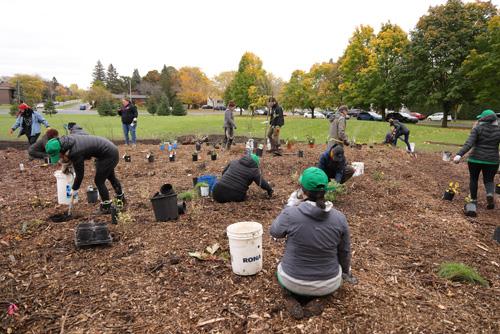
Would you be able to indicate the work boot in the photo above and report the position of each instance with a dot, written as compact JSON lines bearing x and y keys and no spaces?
{"x":294,"y":308}
{"x":490,"y":200}
{"x":104,"y":208}
{"x":313,"y":308}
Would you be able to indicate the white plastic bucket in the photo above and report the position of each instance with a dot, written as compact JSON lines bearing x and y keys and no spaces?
{"x":64,"y":184}
{"x":245,"y":246}
{"x":446,"y":156}
{"x":412,"y":147}
{"x":204,"y":191}
{"x":359,"y":168}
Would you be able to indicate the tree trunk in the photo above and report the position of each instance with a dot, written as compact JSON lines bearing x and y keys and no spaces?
{"x":312,"y":112}
{"x":447,"y":107}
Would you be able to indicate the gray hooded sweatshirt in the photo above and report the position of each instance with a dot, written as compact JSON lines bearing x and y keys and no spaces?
{"x":317,"y":241}
{"x":229,"y":119}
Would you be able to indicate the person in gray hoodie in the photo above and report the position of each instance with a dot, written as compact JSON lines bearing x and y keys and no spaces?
{"x":237,"y":177}
{"x":75,"y":149}
{"x":318,"y":249}
{"x":484,"y":140}
{"x":229,"y":125}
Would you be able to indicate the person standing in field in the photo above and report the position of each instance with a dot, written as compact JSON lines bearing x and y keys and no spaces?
{"x":337,"y":128}
{"x":128,"y":113}
{"x":28,"y":122}
{"x":484,"y":141}
{"x":229,"y":125}
{"x":277,"y":121}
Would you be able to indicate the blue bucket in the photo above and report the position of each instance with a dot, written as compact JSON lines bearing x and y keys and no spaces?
{"x":211,"y":180}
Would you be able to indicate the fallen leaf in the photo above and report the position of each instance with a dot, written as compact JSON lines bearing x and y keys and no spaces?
{"x":212,"y":249}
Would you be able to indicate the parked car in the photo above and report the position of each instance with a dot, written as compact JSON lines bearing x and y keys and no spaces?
{"x":369,"y":116}
{"x":438,"y":117}
{"x":40,"y":107}
{"x":419,"y":116}
{"x":329,"y":114}
{"x":354,"y":112}
{"x":402,"y":117}
{"x":220,"y":108}
{"x":206,"y":106}
{"x":260,"y":112}
{"x":238,"y":109}
{"x":83,"y":107}
{"x":317,"y":114}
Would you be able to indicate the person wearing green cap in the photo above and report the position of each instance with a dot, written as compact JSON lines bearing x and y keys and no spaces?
{"x":75,"y":149}
{"x":318,"y":249}
{"x":236,"y":179}
{"x":484,"y":141}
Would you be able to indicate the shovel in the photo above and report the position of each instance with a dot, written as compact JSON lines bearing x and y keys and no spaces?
{"x":70,"y":207}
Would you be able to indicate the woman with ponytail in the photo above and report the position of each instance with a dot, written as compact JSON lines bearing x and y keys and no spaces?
{"x":318,"y":249}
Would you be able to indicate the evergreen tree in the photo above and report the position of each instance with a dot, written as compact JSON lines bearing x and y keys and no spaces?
{"x":98,"y":74}
{"x":163,"y":107}
{"x":55,"y":83}
{"x":178,"y":109}
{"x":113,"y":83}
{"x":49,"y":108}
{"x":106,"y":107}
{"x":170,"y":82}
{"x":152,"y":104}
{"x":136,"y":79}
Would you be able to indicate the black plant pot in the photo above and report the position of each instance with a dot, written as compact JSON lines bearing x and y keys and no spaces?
{"x":195,"y":181}
{"x":127,"y":158}
{"x":198,"y":146}
{"x":166,"y":189}
{"x":300,"y":154}
{"x":496,"y":235}
{"x":213,"y":156}
{"x":195,"y":156}
{"x":92,"y":196}
{"x":171,"y":158}
{"x":151,"y":158}
{"x":165,"y":207}
{"x":448,"y":195}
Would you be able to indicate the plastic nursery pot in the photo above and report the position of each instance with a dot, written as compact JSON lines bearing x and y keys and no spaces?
{"x":195,"y":181}
{"x":171,"y":158}
{"x":311,"y":145}
{"x":92,"y":195}
{"x":300,"y":154}
{"x":213,"y":156}
{"x":181,"y":207}
{"x":497,"y":189}
{"x":496,"y":234}
{"x":259,"y":152}
{"x":448,"y":195}
{"x":166,"y":189}
{"x":127,"y":158}
{"x":198,"y":146}
{"x":150,"y":157}
{"x":204,"y":191}
{"x":165,"y":207}
{"x":195,"y":156}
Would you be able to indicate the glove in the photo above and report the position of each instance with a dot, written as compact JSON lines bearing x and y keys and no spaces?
{"x":457,"y":158}
{"x":349,"y":278}
{"x":270,"y":193}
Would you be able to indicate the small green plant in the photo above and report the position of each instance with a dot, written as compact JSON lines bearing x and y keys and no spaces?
{"x":118,"y":204}
{"x":338,"y":189}
{"x":187,"y":195}
{"x":201,"y":184}
{"x":460,"y":272}
{"x":310,"y":140}
{"x":125,"y":218}
{"x":378,"y":175}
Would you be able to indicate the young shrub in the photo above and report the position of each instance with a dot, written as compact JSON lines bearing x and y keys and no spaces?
{"x":187,"y":196}
{"x":178,"y":109}
{"x":459,"y":272}
{"x":332,"y":195}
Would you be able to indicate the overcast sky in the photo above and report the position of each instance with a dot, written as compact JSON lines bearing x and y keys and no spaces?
{"x":66,"y":38}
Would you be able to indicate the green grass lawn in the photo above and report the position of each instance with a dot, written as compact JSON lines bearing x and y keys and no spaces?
{"x":165,"y":127}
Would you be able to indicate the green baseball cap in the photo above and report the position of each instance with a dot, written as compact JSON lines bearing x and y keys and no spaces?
{"x":255,"y":158}
{"x":314,"y":179}
{"x":487,"y":112}
{"x":53,"y":148}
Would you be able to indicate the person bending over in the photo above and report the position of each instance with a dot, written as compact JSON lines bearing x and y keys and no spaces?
{"x":237,"y":177}
{"x":334,"y":164}
{"x":400,"y":130}
{"x":37,"y":150}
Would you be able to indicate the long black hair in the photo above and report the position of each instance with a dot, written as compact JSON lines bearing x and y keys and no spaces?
{"x":316,"y":196}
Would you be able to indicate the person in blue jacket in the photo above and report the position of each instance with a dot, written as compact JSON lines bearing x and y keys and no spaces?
{"x":334,"y":164}
{"x":28,"y":122}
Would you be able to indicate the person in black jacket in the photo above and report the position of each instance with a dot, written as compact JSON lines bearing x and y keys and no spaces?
{"x":75,"y":149}
{"x":37,"y":150}
{"x":400,"y":130}
{"x":277,"y":120}
{"x":128,"y":113}
{"x":334,"y":164}
{"x":237,"y":177}
{"x":484,"y":141}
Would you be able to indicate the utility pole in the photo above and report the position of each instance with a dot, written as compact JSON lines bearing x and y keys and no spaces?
{"x":18,"y":93}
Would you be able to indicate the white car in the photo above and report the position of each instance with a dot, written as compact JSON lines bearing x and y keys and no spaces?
{"x":40,"y":106}
{"x":438,"y":117}
{"x":317,"y":114}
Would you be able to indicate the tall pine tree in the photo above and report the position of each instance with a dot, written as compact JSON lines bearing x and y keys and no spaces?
{"x":136,"y":79}
{"x":113,"y":83}
{"x":98,"y":74}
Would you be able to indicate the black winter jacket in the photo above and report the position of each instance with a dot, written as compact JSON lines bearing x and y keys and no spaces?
{"x":401,"y":129}
{"x":484,"y":140}
{"x":128,"y":113}
{"x":37,"y":150}
{"x":240,"y":174}
{"x":277,"y":118}
{"x":81,"y":148}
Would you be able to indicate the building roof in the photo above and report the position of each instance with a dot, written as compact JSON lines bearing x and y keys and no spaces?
{"x":133,"y":96}
{"x":5,"y":85}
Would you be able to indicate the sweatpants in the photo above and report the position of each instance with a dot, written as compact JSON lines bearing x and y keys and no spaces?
{"x":105,"y":170}
{"x":223,"y":194}
{"x":406,"y":139}
{"x":489,"y":172}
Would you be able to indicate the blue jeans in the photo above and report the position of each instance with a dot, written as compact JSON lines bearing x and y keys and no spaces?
{"x":126,"y":129}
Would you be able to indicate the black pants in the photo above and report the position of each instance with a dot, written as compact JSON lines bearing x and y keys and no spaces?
{"x":489,"y":172}
{"x":33,"y":139}
{"x":223,"y":194}
{"x":406,"y":139}
{"x":105,"y":170}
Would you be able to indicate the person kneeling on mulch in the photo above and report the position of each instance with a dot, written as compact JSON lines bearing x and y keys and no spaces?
{"x":318,"y":249}
{"x":237,"y":177}
{"x":334,"y":164}
{"x":75,"y":149}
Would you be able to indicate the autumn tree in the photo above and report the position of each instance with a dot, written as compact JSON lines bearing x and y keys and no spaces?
{"x":222,"y":80}
{"x":113,"y":83}
{"x":194,"y":86}
{"x":170,"y":82}
{"x":31,"y":87}
{"x":98,"y":74}
{"x":152,"y":77}
{"x":298,"y":92}
{"x":325,"y":81}
{"x":441,"y":41}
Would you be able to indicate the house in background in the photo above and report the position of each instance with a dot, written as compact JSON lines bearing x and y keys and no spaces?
{"x":7,"y":93}
{"x":136,"y":98}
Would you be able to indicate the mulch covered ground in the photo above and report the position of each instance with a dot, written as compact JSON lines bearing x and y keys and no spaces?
{"x":147,"y":283}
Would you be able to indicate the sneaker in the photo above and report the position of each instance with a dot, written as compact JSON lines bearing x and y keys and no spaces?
{"x":294,"y":308}
{"x":313,"y":308}
{"x":490,"y":202}
{"x":104,"y":208}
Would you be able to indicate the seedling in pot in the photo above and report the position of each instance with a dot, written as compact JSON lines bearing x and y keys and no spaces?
{"x":289,"y":143}
{"x":127,"y":158}
{"x":203,"y":189}
{"x":195,"y":156}
{"x":451,"y":191}
{"x":213,"y":156}
{"x":310,"y":141}
{"x":150,"y":157}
